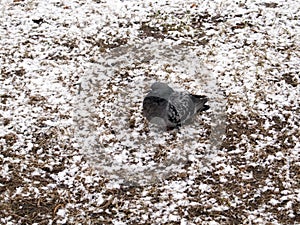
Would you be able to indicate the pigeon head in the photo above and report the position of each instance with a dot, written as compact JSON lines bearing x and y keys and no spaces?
{"x":161,"y":89}
{"x":159,"y":85}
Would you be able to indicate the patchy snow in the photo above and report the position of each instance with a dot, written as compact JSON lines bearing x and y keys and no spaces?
{"x":121,"y":143}
{"x":74,"y":147}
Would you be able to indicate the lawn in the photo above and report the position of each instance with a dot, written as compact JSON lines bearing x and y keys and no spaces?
{"x":75,"y":148}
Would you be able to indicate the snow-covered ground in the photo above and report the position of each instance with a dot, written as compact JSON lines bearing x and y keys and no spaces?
{"x":75,"y":149}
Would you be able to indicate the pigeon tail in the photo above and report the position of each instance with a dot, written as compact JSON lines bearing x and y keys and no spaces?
{"x":199,"y":101}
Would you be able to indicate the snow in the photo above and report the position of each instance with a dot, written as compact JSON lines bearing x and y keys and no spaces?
{"x":74,"y":147}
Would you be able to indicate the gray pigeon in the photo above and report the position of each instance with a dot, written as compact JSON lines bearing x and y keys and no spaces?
{"x":169,"y":108}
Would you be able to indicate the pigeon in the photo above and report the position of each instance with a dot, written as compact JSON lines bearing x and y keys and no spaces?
{"x":171,"y":109}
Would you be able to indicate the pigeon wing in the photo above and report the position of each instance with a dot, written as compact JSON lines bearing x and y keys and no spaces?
{"x":180,"y":107}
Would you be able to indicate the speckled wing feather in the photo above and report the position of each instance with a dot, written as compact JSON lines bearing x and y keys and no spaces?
{"x":184,"y":106}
